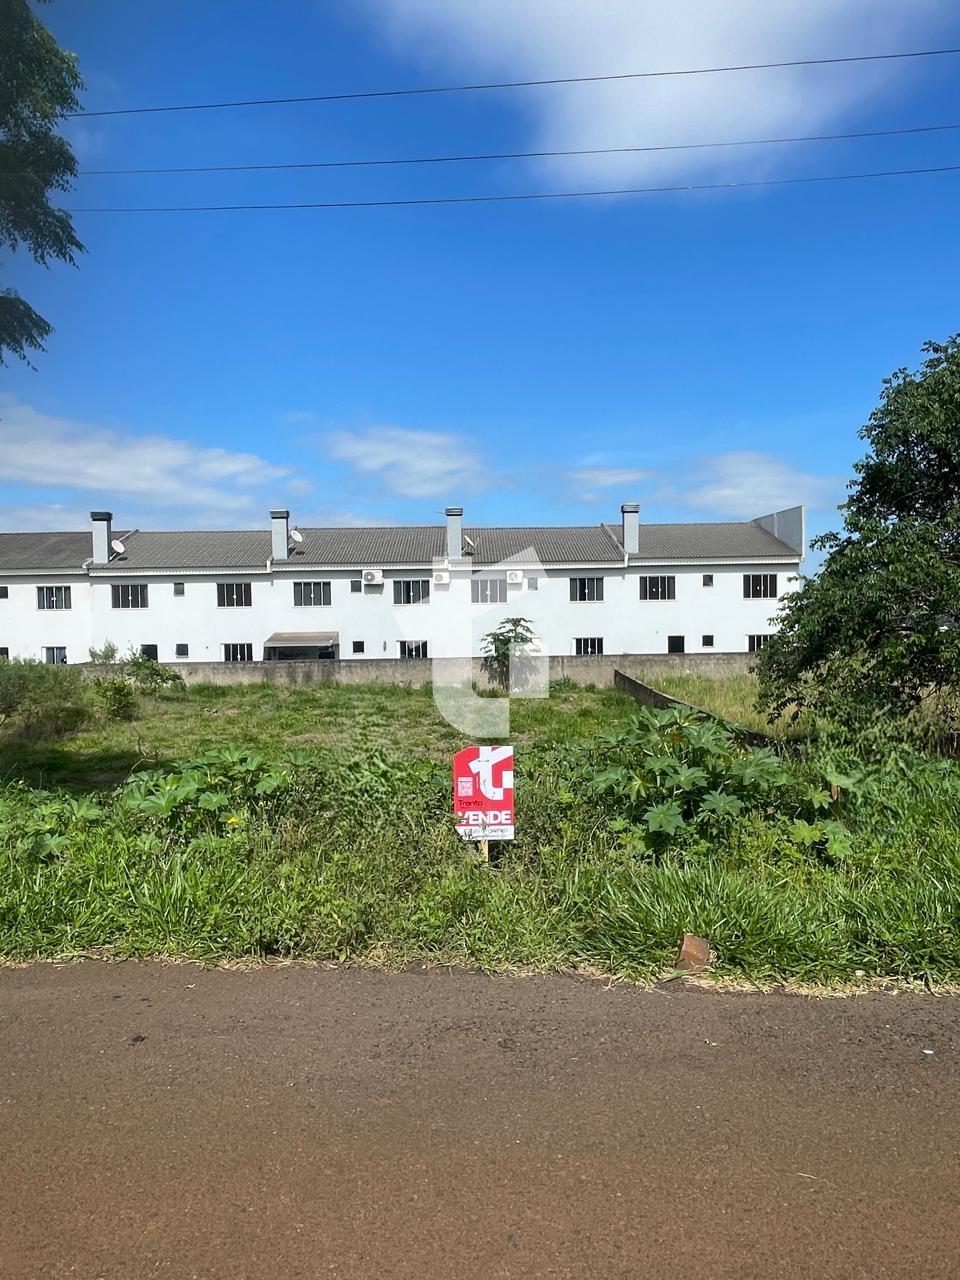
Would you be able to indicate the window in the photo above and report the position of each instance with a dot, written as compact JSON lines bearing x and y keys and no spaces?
{"x":588,"y":646}
{"x":706,"y":642}
{"x":658,"y":588}
{"x":129,"y":596}
{"x":675,"y":644}
{"x":234,"y":595}
{"x":178,"y":589}
{"x":413,"y":648}
{"x":310,"y":593}
{"x":238,"y":652}
{"x":356,"y":585}
{"x":55,"y":653}
{"x":358,"y":646}
{"x":4,"y":593}
{"x":53,"y":598}
{"x":759,"y":586}
{"x":708,"y":579}
{"x":586,"y":588}
{"x":488,"y":590}
{"x":756,"y":643}
{"x":533,"y":584}
{"x":411,"y":591}
{"x":4,"y":651}
{"x":182,"y":651}
{"x":150,"y":651}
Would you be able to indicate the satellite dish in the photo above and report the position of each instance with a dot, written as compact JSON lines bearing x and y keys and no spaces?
{"x":469,"y":541}
{"x":117,"y":546}
{"x":296,"y":536}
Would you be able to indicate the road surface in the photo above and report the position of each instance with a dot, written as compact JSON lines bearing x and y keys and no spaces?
{"x":169,"y":1121}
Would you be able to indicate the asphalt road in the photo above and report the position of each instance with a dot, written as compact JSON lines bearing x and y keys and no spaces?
{"x":169,"y":1121}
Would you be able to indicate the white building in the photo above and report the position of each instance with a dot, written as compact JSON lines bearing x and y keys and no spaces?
{"x":395,"y":592}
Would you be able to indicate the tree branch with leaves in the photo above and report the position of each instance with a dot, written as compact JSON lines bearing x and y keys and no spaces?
{"x":39,"y":83}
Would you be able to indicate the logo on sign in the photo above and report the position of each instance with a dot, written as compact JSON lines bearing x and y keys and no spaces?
{"x":483,"y":793}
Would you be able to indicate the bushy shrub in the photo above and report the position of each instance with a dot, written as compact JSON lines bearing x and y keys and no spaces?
{"x":117,"y":697}
{"x":41,"y":701}
{"x":676,"y":771}
{"x":148,"y":675}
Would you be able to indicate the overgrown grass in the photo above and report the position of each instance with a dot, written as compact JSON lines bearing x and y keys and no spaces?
{"x":315,"y":823}
{"x":734,"y":698}
{"x":345,"y":718}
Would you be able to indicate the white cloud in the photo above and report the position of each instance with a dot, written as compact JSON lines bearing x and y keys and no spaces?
{"x":39,"y":449}
{"x":536,"y":39}
{"x":745,"y":484}
{"x":607,"y":477}
{"x":414,"y":464}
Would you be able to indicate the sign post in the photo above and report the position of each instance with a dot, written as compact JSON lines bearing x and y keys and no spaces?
{"x":483,"y":797}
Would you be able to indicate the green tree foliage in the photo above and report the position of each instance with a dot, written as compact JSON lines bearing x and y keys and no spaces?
{"x":879,"y":627}
{"x":39,"y":83}
{"x":511,"y":639}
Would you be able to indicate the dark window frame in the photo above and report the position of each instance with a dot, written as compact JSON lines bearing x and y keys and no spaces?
{"x":410,"y":650}
{"x":308,"y":588}
{"x":480,"y":587}
{"x":179,"y":589}
{"x":416,"y":591}
{"x":181,"y":649}
{"x":706,"y":642}
{"x":359,"y":646}
{"x":129,"y":595}
{"x":708,"y":579}
{"x":588,"y":646}
{"x":227,"y":593}
{"x":674,"y":647}
{"x":52,"y":601}
{"x":238,"y":652}
{"x":658,"y":587}
{"x":588,"y":590}
{"x":757,"y":641}
{"x":760,"y":586}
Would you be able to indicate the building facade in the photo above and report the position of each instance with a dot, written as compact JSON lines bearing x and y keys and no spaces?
{"x":420,"y":591}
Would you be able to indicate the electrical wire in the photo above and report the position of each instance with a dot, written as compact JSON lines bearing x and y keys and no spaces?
{"x":511,"y":84}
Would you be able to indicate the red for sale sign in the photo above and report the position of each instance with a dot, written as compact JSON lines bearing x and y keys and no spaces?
{"x":483,"y":793}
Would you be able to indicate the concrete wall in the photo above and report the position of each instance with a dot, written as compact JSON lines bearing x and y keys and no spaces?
{"x":645,"y":696}
{"x":597,"y":671}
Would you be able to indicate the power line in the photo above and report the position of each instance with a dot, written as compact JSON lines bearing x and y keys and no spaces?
{"x":514,"y":84}
{"x":524,"y":196}
{"x":516,"y":155}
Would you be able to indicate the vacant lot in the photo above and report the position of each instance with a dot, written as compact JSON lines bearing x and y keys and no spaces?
{"x":345,"y":719}
{"x":316,"y":822}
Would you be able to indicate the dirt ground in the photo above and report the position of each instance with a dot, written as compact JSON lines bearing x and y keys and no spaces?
{"x":171,"y":1121}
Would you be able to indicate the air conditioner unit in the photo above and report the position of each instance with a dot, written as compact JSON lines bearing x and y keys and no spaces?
{"x":514,"y":577}
{"x":372,"y":577}
{"x":441,"y":578}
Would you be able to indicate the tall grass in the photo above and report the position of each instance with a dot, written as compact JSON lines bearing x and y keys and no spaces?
{"x":354,"y":857}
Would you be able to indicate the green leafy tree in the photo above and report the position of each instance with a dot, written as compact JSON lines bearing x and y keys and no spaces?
{"x":39,"y":83}
{"x":512,"y":638}
{"x":879,"y":627}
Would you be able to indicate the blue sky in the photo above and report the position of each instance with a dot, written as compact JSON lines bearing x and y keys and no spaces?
{"x":711,"y":355}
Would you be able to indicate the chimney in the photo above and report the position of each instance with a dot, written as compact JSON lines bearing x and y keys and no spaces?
{"x":280,"y":535}
{"x":454,"y":532}
{"x":631,"y":528}
{"x":102,"y":535}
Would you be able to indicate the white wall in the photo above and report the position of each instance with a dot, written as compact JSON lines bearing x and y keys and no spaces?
{"x":449,"y":622}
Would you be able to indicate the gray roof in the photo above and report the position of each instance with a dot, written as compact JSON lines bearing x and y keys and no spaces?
{"x":415,"y":545}
{"x":731,"y":541}
{"x":44,"y":550}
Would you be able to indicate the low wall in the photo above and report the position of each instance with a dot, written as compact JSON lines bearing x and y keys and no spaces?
{"x":419,"y":671}
{"x":645,"y":696}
